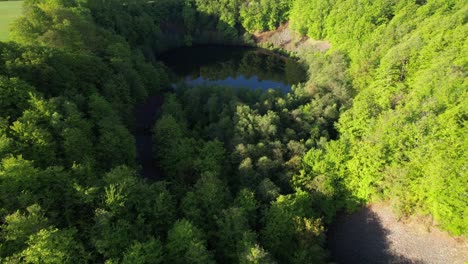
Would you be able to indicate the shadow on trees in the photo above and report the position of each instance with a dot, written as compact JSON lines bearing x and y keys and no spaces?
{"x":145,"y":117}
{"x":168,"y":31}
{"x":359,"y":237}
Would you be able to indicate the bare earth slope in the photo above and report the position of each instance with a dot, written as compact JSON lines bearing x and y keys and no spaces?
{"x":285,"y":38}
{"x":373,"y":235}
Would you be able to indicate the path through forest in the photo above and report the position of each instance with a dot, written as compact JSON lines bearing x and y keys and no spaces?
{"x":373,"y":235}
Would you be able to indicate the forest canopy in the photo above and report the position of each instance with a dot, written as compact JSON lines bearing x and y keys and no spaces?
{"x":248,"y":176}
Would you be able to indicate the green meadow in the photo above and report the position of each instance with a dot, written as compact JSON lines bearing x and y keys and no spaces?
{"x":9,"y":11}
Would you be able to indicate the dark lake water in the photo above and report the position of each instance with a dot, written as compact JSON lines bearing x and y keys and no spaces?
{"x":234,"y":66}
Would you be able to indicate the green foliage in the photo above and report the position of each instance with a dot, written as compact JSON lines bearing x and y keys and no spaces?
{"x":34,"y":131}
{"x":19,"y":227}
{"x":252,"y":126}
{"x":174,"y":148}
{"x":246,"y":202}
{"x":16,"y":174}
{"x":54,"y":24}
{"x":112,"y":135}
{"x":291,"y":232}
{"x":77,"y":137}
{"x":211,"y":157}
{"x":264,"y":158}
{"x":205,"y":202}
{"x":52,"y":246}
{"x":66,"y":102}
{"x":233,"y":227}
{"x":308,"y":17}
{"x":256,"y":255}
{"x":150,"y":252}
{"x":131,"y":210}
{"x":255,"y":175}
{"x":260,"y":15}
{"x":14,"y":97}
{"x":392,"y":139}
{"x":186,"y":244}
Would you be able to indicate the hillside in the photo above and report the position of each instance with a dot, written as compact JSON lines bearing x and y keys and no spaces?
{"x":108,"y":156}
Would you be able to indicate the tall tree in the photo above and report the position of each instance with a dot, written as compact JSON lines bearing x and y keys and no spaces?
{"x":185,"y":244}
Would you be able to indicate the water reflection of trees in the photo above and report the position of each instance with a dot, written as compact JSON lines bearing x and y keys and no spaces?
{"x":263,"y":64}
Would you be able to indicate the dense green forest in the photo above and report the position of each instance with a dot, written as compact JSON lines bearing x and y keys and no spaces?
{"x":249,"y":176}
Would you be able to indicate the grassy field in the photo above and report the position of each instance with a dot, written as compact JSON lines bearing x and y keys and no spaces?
{"x":8,"y":12}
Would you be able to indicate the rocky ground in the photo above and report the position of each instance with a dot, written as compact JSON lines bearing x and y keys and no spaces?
{"x":287,"y":39}
{"x":373,"y":235}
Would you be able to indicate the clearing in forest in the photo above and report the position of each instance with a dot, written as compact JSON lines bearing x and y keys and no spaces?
{"x":9,"y":11}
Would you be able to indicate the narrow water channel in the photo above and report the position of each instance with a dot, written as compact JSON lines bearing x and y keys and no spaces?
{"x":145,"y":116}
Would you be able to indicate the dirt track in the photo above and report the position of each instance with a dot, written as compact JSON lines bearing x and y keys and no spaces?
{"x":373,"y":235}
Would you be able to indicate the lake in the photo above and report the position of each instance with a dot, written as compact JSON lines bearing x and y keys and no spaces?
{"x":233,"y":66}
